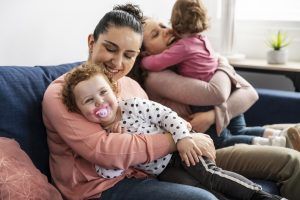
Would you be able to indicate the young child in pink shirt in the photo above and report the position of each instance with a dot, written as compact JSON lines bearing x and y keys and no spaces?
{"x":192,"y":53}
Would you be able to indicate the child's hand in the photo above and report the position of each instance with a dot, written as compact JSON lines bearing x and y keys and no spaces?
{"x":115,"y":127}
{"x":188,"y":151}
{"x":189,"y":126}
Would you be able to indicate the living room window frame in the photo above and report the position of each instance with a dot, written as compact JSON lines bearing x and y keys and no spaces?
{"x":256,"y":32}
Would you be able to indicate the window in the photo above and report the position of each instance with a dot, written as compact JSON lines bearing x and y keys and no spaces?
{"x":244,"y":26}
{"x":274,"y":10}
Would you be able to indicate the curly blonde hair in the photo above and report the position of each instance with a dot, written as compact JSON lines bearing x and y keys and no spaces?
{"x":79,"y":74}
{"x":189,"y":16}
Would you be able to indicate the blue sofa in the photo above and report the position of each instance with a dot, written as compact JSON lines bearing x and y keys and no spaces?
{"x":274,"y":107}
{"x":21,"y":93}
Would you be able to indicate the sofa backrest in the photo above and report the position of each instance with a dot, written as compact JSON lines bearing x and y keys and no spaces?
{"x":274,"y":107}
{"x":21,"y":94}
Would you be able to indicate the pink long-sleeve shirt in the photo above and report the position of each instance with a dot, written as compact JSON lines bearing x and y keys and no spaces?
{"x":193,"y":56}
{"x":76,"y":145}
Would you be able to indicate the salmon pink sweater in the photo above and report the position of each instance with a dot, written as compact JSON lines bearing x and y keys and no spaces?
{"x":76,"y":145}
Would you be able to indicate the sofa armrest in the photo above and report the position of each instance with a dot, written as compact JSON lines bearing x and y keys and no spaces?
{"x":21,"y":93}
{"x":274,"y":107}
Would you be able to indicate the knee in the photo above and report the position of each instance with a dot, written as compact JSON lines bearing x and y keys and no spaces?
{"x":287,"y":163}
{"x":293,"y":158}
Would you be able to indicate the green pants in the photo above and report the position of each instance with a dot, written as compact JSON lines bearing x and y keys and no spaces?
{"x":278,"y":164}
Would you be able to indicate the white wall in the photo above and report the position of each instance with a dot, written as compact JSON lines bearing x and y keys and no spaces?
{"x":46,"y":32}
{"x":52,"y":32}
{"x":49,"y":32}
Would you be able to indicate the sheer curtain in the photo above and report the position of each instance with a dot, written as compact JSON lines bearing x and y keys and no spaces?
{"x":227,"y":26}
{"x":228,"y":30}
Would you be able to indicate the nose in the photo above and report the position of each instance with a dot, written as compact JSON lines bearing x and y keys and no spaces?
{"x":168,"y":32}
{"x":117,"y":60}
{"x":99,"y":101}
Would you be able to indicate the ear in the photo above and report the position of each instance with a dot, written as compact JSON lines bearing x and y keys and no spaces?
{"x":91,"y":42}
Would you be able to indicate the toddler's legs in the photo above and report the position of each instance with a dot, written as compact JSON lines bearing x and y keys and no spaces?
{"x":279,"y":141}
{"x":291,"y":132}
{"x":269,"y":132}
{"x":235,"y":133}
{"x":228,"y":183}
{"x":175,"y":173}
{"x":284,"y":137}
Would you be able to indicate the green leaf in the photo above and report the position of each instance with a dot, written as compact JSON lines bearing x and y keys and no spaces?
{"x":278,"y":41}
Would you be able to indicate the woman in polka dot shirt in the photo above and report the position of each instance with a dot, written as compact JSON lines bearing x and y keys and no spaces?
{"x":91,"y":93}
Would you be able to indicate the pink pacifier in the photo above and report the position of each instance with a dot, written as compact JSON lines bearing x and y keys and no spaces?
{"x":102,"y":112}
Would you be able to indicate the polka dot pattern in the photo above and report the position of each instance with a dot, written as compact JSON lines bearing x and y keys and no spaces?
{"x":140,"y":116}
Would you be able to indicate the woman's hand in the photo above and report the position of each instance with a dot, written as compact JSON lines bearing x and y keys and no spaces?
{"x":188,"y":151}
{"x":201,"y":121}
{"x":205,"y":144}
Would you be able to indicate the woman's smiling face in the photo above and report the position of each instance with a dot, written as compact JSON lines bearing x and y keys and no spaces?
{"x":117,"y":49}
{"x":157,"y":37}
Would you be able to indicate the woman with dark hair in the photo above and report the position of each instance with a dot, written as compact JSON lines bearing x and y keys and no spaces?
{"x":77,"y":145}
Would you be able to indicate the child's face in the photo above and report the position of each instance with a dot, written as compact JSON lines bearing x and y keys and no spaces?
{"x":157,"y":37}
{"x":96,"y":100}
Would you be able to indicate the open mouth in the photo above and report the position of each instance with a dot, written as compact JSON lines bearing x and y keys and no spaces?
{"x":171,"y":41}
{"x":110,"y":71}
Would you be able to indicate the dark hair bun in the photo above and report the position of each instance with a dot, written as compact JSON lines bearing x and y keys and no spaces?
{"x":131,"y":9}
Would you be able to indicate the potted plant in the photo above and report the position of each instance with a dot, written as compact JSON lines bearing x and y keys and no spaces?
{"x":278,"y":55}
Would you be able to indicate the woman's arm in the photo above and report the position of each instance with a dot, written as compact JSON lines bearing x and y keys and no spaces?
{"x":240,"y":100}
{"x":243,"y":96}
{"x":201,"y":121}
{"x":70,"y":130}
{"x":168,"y":58}
{"x":168,"y":84}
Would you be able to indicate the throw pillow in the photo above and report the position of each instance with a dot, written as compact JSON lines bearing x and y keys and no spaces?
{"x":19,"y":178}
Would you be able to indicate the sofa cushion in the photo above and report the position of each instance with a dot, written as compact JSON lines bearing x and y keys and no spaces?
{"x":21,"y":93}
{"x":19,"y":178}
{"x":274,"y":107}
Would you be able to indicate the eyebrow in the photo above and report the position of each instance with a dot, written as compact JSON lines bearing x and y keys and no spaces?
{"x":91,"y":95}
{"x":116,"y":46}
{"x":85,"y":97}
{"x":82,"y":100}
